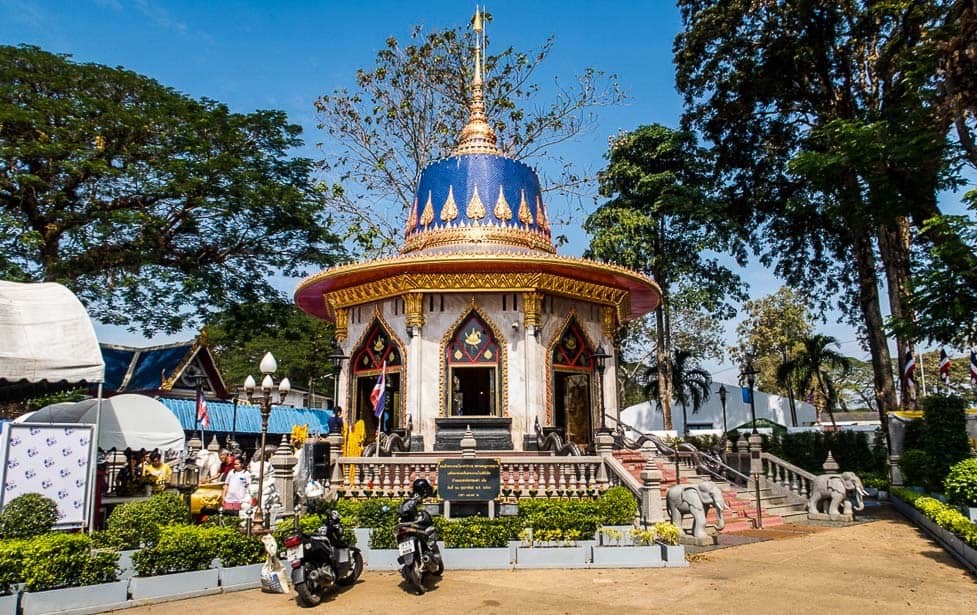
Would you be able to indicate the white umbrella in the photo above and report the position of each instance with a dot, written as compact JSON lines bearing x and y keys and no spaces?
{"x":133,"y":421}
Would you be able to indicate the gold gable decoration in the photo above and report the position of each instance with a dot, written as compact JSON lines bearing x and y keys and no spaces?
{"x":541,"y":218}
{"x":524,"y":215}
{"x":450,"y":209}
{"x":412,"y":218}
{"x":502,"y":210}
{"x":427,"y":216}
{"x":475,"y":210}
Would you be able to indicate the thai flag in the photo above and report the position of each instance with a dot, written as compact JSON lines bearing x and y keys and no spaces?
{"x":908,"y":372}
{"x":944,"y":367}
{"x":973,"y":367}
{"x":379,"y":394}
{"x":202,"y":417}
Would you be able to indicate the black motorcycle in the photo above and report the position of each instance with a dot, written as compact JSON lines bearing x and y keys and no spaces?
{"x":417,"y":543}
{"x":322,"y":560}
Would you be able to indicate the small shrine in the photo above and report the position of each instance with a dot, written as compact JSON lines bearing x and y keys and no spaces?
{"x":478,"y":322}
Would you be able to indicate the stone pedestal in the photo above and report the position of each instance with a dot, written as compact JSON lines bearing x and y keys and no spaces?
{"x":491,"y":433}
{"x":283,"y":463}
{"x":651,"y":496}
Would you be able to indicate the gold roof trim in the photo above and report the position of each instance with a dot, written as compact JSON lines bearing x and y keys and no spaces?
{"x":475,"y":210}
{"x":502,"y":209}
{"x":477,"y":233}
{"x":524,"y":215}
{"x":427,"y":216}
{"x":450,"y":209}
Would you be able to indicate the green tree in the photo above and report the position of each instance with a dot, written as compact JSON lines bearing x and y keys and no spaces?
{"x":409,"y":108}
{"x":769,"y":336}
{"x":660,"y":220}
{"x":153,"y":207}
{"x":690,"y":384}
{"x":241,"y":335}
{"x":833,"y":167}
{"x":810,"y":369}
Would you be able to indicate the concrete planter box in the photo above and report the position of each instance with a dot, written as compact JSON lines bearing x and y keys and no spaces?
{"x":626,"y":539}
{"x":126,"y":571}
{"x":8,"y":604}
{"x":552,"y":557}
{"x":174,"y":586}
{"x":970,"y":512}
{"x":362,"y":537}
{"x":959,"y":549}
{"x":674,"y":555}
{"x":497,"y":558}
{"x":633,"y":556}
{"x":75,"y":600}
{"x":237,"y":578}
{"x":380,"y":559}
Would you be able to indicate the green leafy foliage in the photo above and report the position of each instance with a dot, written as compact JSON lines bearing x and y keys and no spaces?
{"x":666,"y":532}
{"x":944,"y":434}
{"x":617,"y":506}
{"x":477,"y":532}
{"x":54,"y":560}
{"x":917,"y":467}
{"x":28,"y":515}
{"x":135,"y":523}
{"x":182,"y":548}
{"x":945,"y":516}
{"x":960,"y":484}
{"x":154,"y":208}
{"x":851,"y":449}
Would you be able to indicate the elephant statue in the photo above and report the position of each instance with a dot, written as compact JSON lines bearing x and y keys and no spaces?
{"x":836,"y":494}
{"x":695,"y":499}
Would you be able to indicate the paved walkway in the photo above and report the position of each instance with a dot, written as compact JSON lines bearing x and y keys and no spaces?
{"x":883,"y":566}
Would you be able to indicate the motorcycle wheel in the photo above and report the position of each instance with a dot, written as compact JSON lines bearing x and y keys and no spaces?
{"x":414,"y":572}
{"x":440,"y":569}
{"x":357,"y":571}
{"x":308,"y":593}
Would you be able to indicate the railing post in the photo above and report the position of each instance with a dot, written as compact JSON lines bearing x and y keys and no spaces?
{"x":651,"y":495}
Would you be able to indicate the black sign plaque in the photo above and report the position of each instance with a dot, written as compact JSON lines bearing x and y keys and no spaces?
{"x":468,"y":480}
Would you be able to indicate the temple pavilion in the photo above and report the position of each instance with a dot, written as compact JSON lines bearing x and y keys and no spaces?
{"x":478,"y":322}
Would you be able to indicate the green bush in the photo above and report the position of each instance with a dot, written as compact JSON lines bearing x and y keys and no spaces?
{"x":28,"y":515}
{"x":917,"y":467}
{"x":666,"y":533}
{"x":54,"y":560}
{"x":139,"y":523}
{"x":944,"y":435}
{"x":477,"y":532}
{"x":179,"y":548}
{"x":960,"y":485}
{"x":617,"y":506}
{"x":851,"y":449}
{"x":943,"y":515}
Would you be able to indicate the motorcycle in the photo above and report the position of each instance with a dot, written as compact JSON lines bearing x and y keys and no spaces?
{"x":322,"y":560}
{"x":417,"y":544}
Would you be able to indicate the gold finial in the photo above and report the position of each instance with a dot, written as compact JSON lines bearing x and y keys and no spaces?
{"x":477,"y":137}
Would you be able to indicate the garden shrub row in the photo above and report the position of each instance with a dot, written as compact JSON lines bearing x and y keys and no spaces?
{"x":135,"y":524}
{"x":54,"y":560}
{"x":182,"y":548}
{"x":947,"y":517}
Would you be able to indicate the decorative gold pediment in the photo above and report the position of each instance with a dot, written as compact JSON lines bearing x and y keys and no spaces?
{"x":524,"y":214}
{"x":450,"y":209}
{"x":482,"y":233}
{"x":475,"y":210}
{"x":427,"y":216}
{"x":502,"y":210}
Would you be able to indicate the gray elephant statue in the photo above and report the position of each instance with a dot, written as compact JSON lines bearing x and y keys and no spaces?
{"x":836,"y":494}
{"x":696,"y":499}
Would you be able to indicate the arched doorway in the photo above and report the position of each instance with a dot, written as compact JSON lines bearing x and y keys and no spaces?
{"x":573,"y":366}
{"x":473,"y":359}
{"x":378,"y":347}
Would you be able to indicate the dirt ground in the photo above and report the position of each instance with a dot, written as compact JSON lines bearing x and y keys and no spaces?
{"x":884,"y":566}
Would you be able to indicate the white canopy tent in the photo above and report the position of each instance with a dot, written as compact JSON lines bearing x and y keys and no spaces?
{"x":127,"y":421}
{"x":46,"y":336}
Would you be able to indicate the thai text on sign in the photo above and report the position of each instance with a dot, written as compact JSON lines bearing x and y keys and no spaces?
{"x":468,"y":480}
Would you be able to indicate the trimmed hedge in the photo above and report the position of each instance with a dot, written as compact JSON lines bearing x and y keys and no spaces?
{"x":182,"y":548}
{"x":28,"y":515}
{"x":139,"y":523}
{"x":947,"y":517}
{"x":54,"y":560}
{"x":960,"y":485}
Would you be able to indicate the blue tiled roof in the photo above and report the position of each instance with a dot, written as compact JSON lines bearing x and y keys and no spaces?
{"x":152,"y":363}
{"x":221,"y":415}
{"x":116,"y":365}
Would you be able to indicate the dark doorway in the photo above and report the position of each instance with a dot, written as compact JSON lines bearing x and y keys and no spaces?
{"x":572,"y":406}
{"x":473,"y":391}
{"x":392,"y":418}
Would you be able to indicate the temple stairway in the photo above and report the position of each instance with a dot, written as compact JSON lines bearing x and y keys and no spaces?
{"x":740,"y":501}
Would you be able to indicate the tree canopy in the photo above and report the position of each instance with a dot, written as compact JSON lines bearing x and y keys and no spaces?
{"x":408,"y":109}
{"x":153,"y":207}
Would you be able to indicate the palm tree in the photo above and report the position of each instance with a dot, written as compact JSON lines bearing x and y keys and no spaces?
{"x":810,"y":368}
{"x":691,"y":384}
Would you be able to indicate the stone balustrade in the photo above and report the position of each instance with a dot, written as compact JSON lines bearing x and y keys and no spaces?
{"x":785,"y":477}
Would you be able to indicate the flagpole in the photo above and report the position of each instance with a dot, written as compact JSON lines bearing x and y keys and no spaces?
{"x":922,"y":377}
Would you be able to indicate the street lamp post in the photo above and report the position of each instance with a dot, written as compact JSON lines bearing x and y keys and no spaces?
{"x":232,"y":445}
{"x":722,"y":402}
{"x":600,"y":358}
{"x":268,"y":367}
{"x":756,"y":462}
{"x":336,"y":357}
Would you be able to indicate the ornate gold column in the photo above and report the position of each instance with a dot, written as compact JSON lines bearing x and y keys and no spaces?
{"x":414,"y":307}
{"x":532,"y":303}
{"x":608,"y":317}
{"x":414,"y":312}
{"x":342,"y":323}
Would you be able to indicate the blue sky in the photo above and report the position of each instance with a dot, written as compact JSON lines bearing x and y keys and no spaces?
{"x":284,"y":55}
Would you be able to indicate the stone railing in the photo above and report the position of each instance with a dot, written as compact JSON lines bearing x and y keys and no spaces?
{"x":786,"y":478}
{"x":520,"y":476}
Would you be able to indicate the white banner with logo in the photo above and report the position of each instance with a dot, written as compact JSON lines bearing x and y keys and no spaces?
{"x":49,"y":459}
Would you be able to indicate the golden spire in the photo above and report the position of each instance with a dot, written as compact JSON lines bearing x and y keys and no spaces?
{"x":477,"y":137}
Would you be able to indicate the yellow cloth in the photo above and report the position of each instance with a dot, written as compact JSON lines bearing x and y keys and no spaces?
{"x":160,"y":476}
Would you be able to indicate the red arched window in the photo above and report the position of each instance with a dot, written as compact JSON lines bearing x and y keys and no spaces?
{"x":473,"y":359}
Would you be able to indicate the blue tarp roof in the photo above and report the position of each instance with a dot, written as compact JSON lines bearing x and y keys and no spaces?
{"x":221,"y":414}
